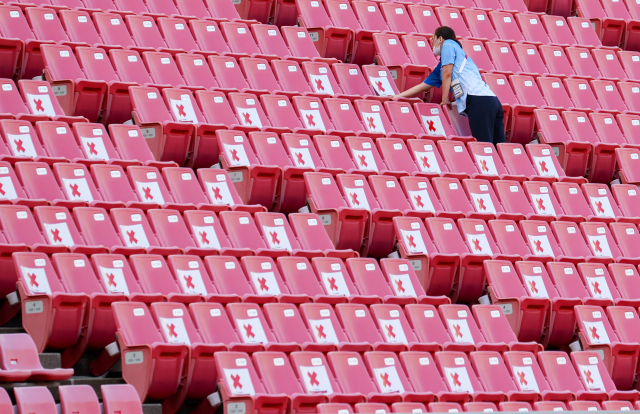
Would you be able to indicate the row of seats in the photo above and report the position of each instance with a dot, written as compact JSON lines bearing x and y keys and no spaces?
{"x":426,"y":375}
{"x":221,"y":10}
{"x":598,"y":114}
{"x":141,"y":33}
{"x":362,"y":19}
{"x":116,"y":398}
{"x":438,"y":253}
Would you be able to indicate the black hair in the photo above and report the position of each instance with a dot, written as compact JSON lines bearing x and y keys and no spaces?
{"x":446,"y":33}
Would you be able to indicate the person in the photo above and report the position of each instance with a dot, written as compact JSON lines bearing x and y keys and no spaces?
{"x":474,"y":98}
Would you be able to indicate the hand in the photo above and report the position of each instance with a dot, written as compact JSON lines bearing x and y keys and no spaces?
{"x":445,"y":101}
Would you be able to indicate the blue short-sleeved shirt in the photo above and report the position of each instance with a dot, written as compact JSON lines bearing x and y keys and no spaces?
{"x":470,"y":79}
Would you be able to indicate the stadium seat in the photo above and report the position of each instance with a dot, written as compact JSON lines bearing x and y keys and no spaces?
{"x":240,"y":384}
{"x":325,"y":198}
{"x":414,"y":244}
{"x":545,"y":203}
{"x":504,"y":285}
{"x":391,"y":53}
{"x":496,"y":329}
{"x":312,"y":237}
{"x":589,"y":364}
{"x":259,"y":183}
{"x":494,"y":376}
{"x":335,"y":42}
{"x":461,"y":378}
{"x":562,"y":376}
{"x":288,"y":326}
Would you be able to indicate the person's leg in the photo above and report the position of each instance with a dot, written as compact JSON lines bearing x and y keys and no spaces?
{"x":498,"y":126}
{"x":481,"y":114}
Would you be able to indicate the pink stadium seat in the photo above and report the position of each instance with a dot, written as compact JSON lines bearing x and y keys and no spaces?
{"x":596,"y":334}
{"x":558,"y":30}
{"x":485,"y":200}
{"x":585,"y":363}
{"x":391,"y":53}
{"x":530,"y":319}
{"x":335,"y":41}
{"x":508,"y":237}
{"x":152,"y":383}
{"x":299,"y":42}
{"x":40,"y":99}
{"x":422,"y":197}
{"x":134,"y":230}
{"x":584,"y":32}
{"x":623,"y":194}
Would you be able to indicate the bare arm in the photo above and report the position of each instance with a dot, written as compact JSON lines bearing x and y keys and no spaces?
{"x":446,"y":83}
{"x":422,"y":87}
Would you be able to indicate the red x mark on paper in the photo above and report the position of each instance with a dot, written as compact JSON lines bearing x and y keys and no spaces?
{"x":540,"y":203}
{"x":456,"y":381}
{"x":299,"y":157}
{"x":310,"y":120}
{"x":19,"y":146}
{"x":39,"y":106}
{"x":203,"y":237}
{"x":481,"y":205}
{"x":189,"y":281}
{"x":354,"y":199}
{"x":379,"y":85}
{"x":320,"y":330}
{"x":538,"y":244}
{"x":371,"y":124}
{"x":332,"y":283}
{"x":399,"y":287}
{"x":172,"y":330}
{"x":147,"y":193}
{"x":56,"y":235}
{"x":596,"y":246}
{"x":521,"y":378}
{"x":112,"y":281}
{"x":74,"y":190}
{"x":599,"y":207}
{"x":274,"y":237}
{"x":425,"y":162}
{"x":363,"y":161}
{"x":457,"y":329}
{"x":181,"y":111}
{"x":319,"y":84}
{"x":532,"y":286}
{"x":1,"y":190}
{"x":32,"y":280}
{"x":236,"y":381}
{"x":248,"y":329}
{"x":385,"y":380}
{"x":411,"y":242}
{"x":132,"y":236}
{"x":596,"y":288}
{"x":247,"y":118}
{"x":476,"y":245}
{"x":594,"y":332}
{"x":92,"y":148}
{"x":263,"y":284}
{"x":543,"y":166}
{"x":431,"y":126}
{"x":389,"y":329}
{"x":587,"y":374}
{"x":483,"y":164}
{"x":313,"y":378}
{"x":234,"y":155}
{"x":216,"y":193}
{"x":419,"y":202}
